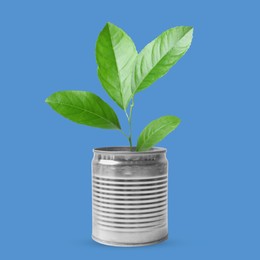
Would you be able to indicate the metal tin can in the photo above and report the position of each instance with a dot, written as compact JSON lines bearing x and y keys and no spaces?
{"x":129,"y":196}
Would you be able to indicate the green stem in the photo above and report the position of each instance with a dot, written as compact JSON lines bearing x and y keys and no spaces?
{"x":129,"y":118}
{"x":130,"y":124}
{"x":130,"y":142}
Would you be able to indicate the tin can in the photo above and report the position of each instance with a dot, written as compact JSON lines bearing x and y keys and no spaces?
{"x":129,"y":196}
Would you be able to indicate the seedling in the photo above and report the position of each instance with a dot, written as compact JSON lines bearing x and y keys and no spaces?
{"x":123,"y":73}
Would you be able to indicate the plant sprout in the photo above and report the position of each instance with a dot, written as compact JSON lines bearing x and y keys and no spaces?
{"x":123,"y":72}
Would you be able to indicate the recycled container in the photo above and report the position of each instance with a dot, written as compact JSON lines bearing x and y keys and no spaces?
{"x":129,"y":196}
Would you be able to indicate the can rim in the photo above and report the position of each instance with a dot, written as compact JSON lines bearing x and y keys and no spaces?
{"x":126,"y":150}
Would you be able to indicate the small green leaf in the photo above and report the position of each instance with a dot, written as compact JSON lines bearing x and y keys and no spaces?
{"x":156,"y":131}
{"x":159,"y":56}
{"x":84,"y":108}
{"x":115,"y":55}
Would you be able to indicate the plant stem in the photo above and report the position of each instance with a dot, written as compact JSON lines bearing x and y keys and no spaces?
{"x":130,"y":123}
{"x":129,"y":118}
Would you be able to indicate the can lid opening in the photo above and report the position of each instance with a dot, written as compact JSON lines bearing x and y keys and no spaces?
{"x":126,"y":149}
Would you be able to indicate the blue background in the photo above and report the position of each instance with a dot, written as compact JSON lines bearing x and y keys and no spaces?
{"x":45,"y":179}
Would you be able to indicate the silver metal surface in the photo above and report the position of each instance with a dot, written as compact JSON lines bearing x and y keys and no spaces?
{"x":129,"y":196}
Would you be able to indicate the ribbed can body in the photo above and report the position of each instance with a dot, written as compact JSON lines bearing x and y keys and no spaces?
{"x":129,"y":196}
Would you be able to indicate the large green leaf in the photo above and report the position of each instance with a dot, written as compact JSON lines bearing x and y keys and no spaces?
{"x":156,"y":131}
{"x":115,"y":55}
{"x":84,"y":108}
{"x":159,"y":56}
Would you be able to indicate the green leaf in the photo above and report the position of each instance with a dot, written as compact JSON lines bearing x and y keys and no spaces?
{"x":115,"y":55}
{"x":156,"y":131}
{"x":84,"y":108}
{"x":159,"y":56}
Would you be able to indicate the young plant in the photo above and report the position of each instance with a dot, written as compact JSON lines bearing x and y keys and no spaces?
{"x":123,"y":73}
